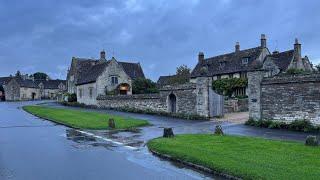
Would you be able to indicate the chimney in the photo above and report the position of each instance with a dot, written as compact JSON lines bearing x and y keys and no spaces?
{"x":201,"y":57}
{"x":297,"y":49}
{"x":102,"y":55}
{"x":263,"y":41}
{"x":237,"y":47}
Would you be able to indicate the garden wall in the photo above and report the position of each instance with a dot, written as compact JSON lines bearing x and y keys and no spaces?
{"x":286,"y":97}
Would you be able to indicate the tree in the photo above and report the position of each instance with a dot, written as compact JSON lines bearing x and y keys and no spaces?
{"x":182,"y":75}
{"x":40,"y":76}
{"x":18,"y":74}
{"x":144,"y":86}
{"x":317,"y":67}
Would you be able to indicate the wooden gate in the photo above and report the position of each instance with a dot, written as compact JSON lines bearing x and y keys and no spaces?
{"x":216,"y":104}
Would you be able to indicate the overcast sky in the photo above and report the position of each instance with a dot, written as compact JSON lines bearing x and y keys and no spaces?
{"x":43,"y":35}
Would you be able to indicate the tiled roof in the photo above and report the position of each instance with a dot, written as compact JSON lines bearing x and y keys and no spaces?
{"x":88,"y":70}
{"x":51,"y":84}
{"x":227,"y":63}
{"x":282,"y":60}
{"x":3,"y":80}
{"x":165,"y":80}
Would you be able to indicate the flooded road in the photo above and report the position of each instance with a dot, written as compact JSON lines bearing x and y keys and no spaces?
{"x":32,"y":148}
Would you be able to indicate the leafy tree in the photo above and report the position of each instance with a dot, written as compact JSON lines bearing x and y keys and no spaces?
{"x":18,"y":74}
{"x":144,"y":86}
{"x":40,"y":76}
{"x":317,"y":67}
{"x":182,"y":75}
{"x":227,"y":86}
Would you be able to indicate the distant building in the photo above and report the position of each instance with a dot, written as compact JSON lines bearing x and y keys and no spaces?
{"x":89,"y":78}
{"x":237,"y":64}
{"x":20,"y":88}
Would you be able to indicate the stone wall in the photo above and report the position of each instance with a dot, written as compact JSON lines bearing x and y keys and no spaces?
{"x":137,"y":101}
{"x":285,"y":98}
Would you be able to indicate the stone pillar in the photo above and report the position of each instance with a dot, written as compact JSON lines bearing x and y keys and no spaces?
{"x":254,"y":93}
{"x":202,"y":91}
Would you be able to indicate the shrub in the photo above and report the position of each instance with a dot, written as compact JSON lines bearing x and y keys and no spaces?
{"x":311,"y":141}
{"x":295,"y":71}
{"x":297,"y":125}
{"x":144,"y":86}
{"x":227,"y":86}
{"x":72,"y":98}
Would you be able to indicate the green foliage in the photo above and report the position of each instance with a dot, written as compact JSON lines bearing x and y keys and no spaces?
{"x":18,"y":74}
{"x":227,"y":86}
{"x":144,"y":86}
{"x":295,"y":71}
{"x":182,"y":75}
{"x":243,"y":157}
{"x":40,"y":76}
{"x":72,"y":97}
{"x":297,"y":125}
{"x":111,"y":93}
{"x":82,"y":119}
{"x":317,"y":67}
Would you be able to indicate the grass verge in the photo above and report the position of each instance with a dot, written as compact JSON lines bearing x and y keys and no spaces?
{"x":83,"y":120}
{"x":243,"y":157}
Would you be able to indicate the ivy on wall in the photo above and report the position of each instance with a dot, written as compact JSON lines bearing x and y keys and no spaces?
{"x":228,"y":86}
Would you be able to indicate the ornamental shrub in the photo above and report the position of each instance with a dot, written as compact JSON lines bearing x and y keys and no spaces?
{"x":312,"y":141}
{"x":229,"y":85}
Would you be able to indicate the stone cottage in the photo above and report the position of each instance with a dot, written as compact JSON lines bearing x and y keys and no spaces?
{"x":89,"y":78}
{"x":231,"y":65}
{"x":19,"y":88}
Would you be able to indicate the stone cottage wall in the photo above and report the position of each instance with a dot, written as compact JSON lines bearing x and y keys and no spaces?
{"x":285,"y":97}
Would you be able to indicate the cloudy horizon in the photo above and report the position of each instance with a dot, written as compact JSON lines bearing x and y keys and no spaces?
{"x":160,"y":34}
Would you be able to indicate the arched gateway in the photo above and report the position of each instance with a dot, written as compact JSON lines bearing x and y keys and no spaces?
{"x":172,"y":103}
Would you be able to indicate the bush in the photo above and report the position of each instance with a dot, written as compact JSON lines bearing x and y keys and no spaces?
{"x":297,"y":125}
{"x":295,"y":71}
{"x":311,"y":141}
{"x":218,"y":130}
{"x":227,"y":86}
{"x":144,"y":86}
{"x":72,"y":98}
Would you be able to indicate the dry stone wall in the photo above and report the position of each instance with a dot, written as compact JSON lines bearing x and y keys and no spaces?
{"x":285,"y":98}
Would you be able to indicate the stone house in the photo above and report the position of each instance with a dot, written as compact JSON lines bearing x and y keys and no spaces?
{"x":89,"y":78}
{"x":18,"y":88}
{"x":231,"y":65}
{"x":3,"y":80}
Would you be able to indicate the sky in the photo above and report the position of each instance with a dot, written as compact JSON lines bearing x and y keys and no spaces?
{"x":43,"y":35}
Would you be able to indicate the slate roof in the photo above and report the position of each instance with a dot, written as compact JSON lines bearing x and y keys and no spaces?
{"x":227,"y":63}
{"x":282,"y":60}
{"x":3,"y":80}
{"x":88,"y":70}
{"x":165,"y":80}
{"x":28,"y":83}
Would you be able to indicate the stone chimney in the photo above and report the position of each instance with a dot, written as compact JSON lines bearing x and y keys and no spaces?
{"x":237,"y":47}
{"x":263,"y":41}
{"x":297,"y":49}
{"x":201,"y":57}
{"x":102,"y":55}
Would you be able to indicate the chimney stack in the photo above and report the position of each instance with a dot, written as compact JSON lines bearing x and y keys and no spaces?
{"x":237,"y":47}
{"x":201,"y":57}
{"x":297,"y":49}
{"x":263,"y":41}
{"x":102,"y":55}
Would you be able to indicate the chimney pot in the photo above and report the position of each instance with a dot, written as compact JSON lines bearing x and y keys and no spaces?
{"x":263,"y":41}
{"x":102,"y":55}
{"x":237,"y":47}
{"x":201,"y":57}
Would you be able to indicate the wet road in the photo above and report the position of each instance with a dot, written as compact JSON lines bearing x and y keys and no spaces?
{"x":35,"y":149}
{"x":31,"y":148}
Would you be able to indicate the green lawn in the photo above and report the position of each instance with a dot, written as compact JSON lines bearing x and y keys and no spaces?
{"x":83,"y":120}
{"x":245,"y":157}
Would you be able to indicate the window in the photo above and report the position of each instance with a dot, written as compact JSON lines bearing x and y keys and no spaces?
{"x":219,"y":77}
{"x":243,"y":75}
{"x":80,"y":93}
{"x":114,"y":80}
{"x":230,"y":75}
{"x":245,"y":60}
{"x":90,"y":92}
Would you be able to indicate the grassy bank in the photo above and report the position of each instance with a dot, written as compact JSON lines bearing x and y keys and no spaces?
{"x":244,"y":157}
{"x":83,"y":120}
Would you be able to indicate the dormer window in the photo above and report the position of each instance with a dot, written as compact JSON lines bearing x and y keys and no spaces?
{"x":245,"y":60}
